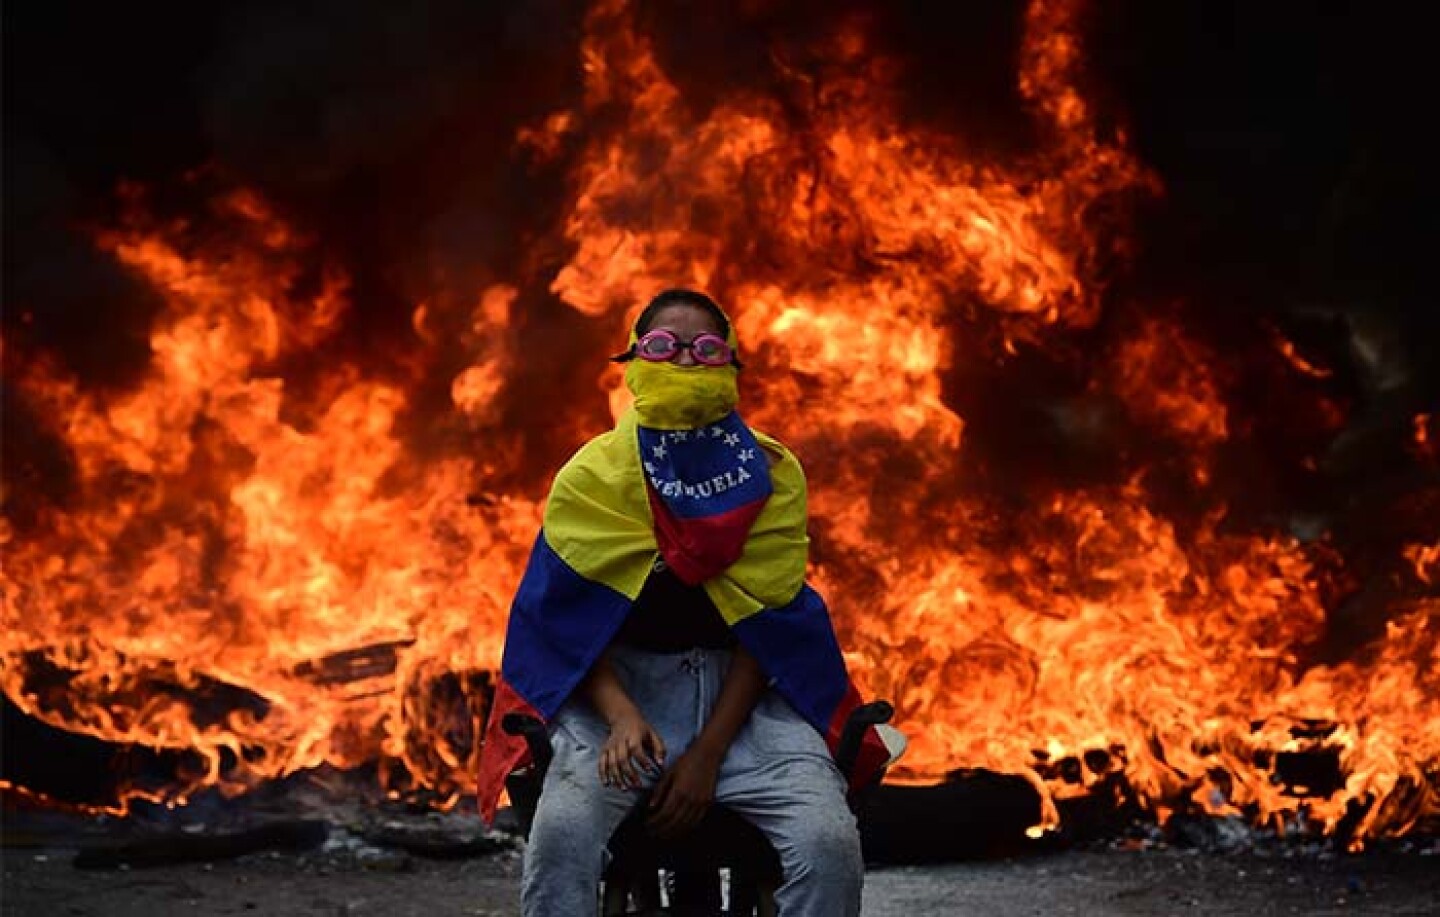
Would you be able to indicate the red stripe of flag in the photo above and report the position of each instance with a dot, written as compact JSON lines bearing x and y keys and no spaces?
{"x":704,"y":547}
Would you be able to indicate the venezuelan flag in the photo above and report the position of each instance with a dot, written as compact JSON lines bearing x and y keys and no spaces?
{"x":726,"y":507}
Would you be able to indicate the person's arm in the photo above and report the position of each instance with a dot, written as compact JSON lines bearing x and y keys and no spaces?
{"x":632,"y":740}
{"x":687,"y":789}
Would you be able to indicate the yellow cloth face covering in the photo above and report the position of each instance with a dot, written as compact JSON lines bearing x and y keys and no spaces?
{"x":669,"y":396}
{"x":673,"y":397}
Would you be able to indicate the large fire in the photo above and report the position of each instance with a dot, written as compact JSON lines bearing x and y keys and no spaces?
{"x":277,"y":556}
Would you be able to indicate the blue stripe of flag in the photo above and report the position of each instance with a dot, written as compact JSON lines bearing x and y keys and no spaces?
{"x":705,"y":471}
{"x":560,"y":622}
{"x":796,"y":645}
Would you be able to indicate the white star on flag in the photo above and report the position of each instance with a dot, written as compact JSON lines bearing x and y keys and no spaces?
{"x":732,"y":439}
{"x":659,"y":450}
{"x":747,"y":454}
{"x":680,"y":436}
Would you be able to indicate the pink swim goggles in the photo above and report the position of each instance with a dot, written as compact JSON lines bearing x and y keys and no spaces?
{"x":662,"y":346}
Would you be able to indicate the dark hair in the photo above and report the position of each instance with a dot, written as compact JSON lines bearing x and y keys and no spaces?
{"x":681,"y":297}
{"x":677,"y":297}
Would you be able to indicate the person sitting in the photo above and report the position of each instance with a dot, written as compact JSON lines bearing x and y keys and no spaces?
{"x":665,"y":633}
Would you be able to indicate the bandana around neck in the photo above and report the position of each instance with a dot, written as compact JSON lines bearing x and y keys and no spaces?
{"x":706,"y":487}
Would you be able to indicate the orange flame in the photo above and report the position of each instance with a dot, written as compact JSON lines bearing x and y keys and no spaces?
{"x":229,"y":524}
{"x":1292,"y":355}
{"x":1424,"y":439}
{"x":224,"y":532}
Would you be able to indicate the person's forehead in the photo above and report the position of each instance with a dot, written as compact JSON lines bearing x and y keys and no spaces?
{"x":684,"y":315}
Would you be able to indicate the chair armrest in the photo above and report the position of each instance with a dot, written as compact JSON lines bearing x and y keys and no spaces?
{"x":860,"y":719}
{"x":536,"y":738}
{"x":524,"y":785}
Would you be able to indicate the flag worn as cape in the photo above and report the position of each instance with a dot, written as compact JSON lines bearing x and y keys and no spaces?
{"x":598,"y":544}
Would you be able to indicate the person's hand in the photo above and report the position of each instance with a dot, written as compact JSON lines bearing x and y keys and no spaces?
{"x":632,"y":743}
{"x":684,"y":794}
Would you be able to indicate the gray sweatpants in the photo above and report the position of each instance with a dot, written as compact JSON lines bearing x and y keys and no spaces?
{"x":778,"y":774}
